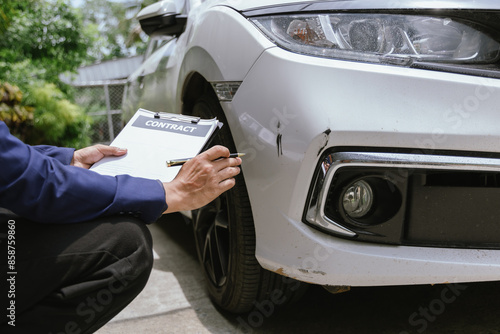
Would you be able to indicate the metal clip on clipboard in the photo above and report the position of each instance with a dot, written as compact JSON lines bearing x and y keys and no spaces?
{"x":180,"y":118}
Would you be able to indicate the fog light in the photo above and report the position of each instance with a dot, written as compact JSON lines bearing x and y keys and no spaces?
{"x":357,"y":199}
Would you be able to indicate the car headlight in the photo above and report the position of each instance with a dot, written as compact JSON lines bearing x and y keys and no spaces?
{"x":380,"y":38}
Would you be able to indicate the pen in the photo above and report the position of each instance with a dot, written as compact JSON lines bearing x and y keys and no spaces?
{"x":180,"y":162}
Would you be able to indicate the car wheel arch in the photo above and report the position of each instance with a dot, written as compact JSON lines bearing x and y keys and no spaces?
{"x":238,"y":283}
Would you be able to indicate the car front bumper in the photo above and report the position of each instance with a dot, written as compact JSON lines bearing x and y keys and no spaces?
{"x":291,"y":109}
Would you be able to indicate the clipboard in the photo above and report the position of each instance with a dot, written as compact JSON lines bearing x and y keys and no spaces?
{"x":151,"y":138}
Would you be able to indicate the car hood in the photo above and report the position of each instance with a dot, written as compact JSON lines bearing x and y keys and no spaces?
{"x":243,"y":5}
{"x":246,"y":5}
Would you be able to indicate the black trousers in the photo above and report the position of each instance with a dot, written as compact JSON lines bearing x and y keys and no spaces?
{"x":70,"y":278}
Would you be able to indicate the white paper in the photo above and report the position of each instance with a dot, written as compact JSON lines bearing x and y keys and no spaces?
{"x":151,"y":141}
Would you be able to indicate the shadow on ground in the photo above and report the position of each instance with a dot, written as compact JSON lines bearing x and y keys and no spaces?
{"x":453,"y":308}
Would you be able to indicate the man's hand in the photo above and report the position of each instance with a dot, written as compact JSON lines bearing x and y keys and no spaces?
{"x":87,"y":156}
{"x":201,"y":180}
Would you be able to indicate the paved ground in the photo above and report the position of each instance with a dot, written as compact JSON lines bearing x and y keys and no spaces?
{"x":174,"y":301}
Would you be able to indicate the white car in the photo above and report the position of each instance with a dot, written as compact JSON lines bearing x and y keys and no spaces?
{"x":372,"y":137}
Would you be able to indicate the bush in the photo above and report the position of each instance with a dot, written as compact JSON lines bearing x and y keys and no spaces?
{"x":18,"y":118}
{"x":44,"y":116}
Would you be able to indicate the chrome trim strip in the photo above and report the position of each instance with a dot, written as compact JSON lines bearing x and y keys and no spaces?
{"x":405,"y":160}
{"x":333,"y":162}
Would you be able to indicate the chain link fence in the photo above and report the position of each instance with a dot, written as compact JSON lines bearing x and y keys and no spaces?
{"x":102,"y":101}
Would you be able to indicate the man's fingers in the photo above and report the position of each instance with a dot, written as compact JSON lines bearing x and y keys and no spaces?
{"x":202,"y":179}
{"x":216,"y":152}
{"x":111,"y":150}
{"x":226,"y":185}
{"x":228,"y":172}
{"x":221,"y":164}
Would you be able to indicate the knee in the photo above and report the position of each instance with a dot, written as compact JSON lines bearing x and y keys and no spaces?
{"x":134,"y":244}
{"x":122,"y":247}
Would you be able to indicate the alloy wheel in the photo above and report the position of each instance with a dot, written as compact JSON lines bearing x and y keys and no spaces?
{"x":212,"y":238}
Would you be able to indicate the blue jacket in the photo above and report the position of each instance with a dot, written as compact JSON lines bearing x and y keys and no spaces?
{"x":38,"y":183}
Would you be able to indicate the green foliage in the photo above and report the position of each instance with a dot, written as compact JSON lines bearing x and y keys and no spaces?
{"x":111,"y":24}
{"x":54,"y":120}
{"x":19,"y":118}
{"x":49,"y":33}
{"x":23,"y":73}
{"x":6,"y":12}
{"x":40,"y":39}
{"x":57,"y":121}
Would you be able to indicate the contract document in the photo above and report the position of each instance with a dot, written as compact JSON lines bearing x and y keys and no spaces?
{"x":153,"y":138}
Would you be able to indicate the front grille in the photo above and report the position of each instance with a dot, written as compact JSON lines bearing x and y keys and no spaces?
{"x":460,"y":179}
{"x":453,"y":210}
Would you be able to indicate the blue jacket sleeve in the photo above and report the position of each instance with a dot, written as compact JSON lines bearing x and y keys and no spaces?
{"x":63,"y":154}
{"x":37,"y":184}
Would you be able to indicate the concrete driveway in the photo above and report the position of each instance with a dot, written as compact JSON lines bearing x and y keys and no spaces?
{"x":174,"y":301}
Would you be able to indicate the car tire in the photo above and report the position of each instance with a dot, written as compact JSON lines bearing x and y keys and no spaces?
{"x":225,"y":240}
